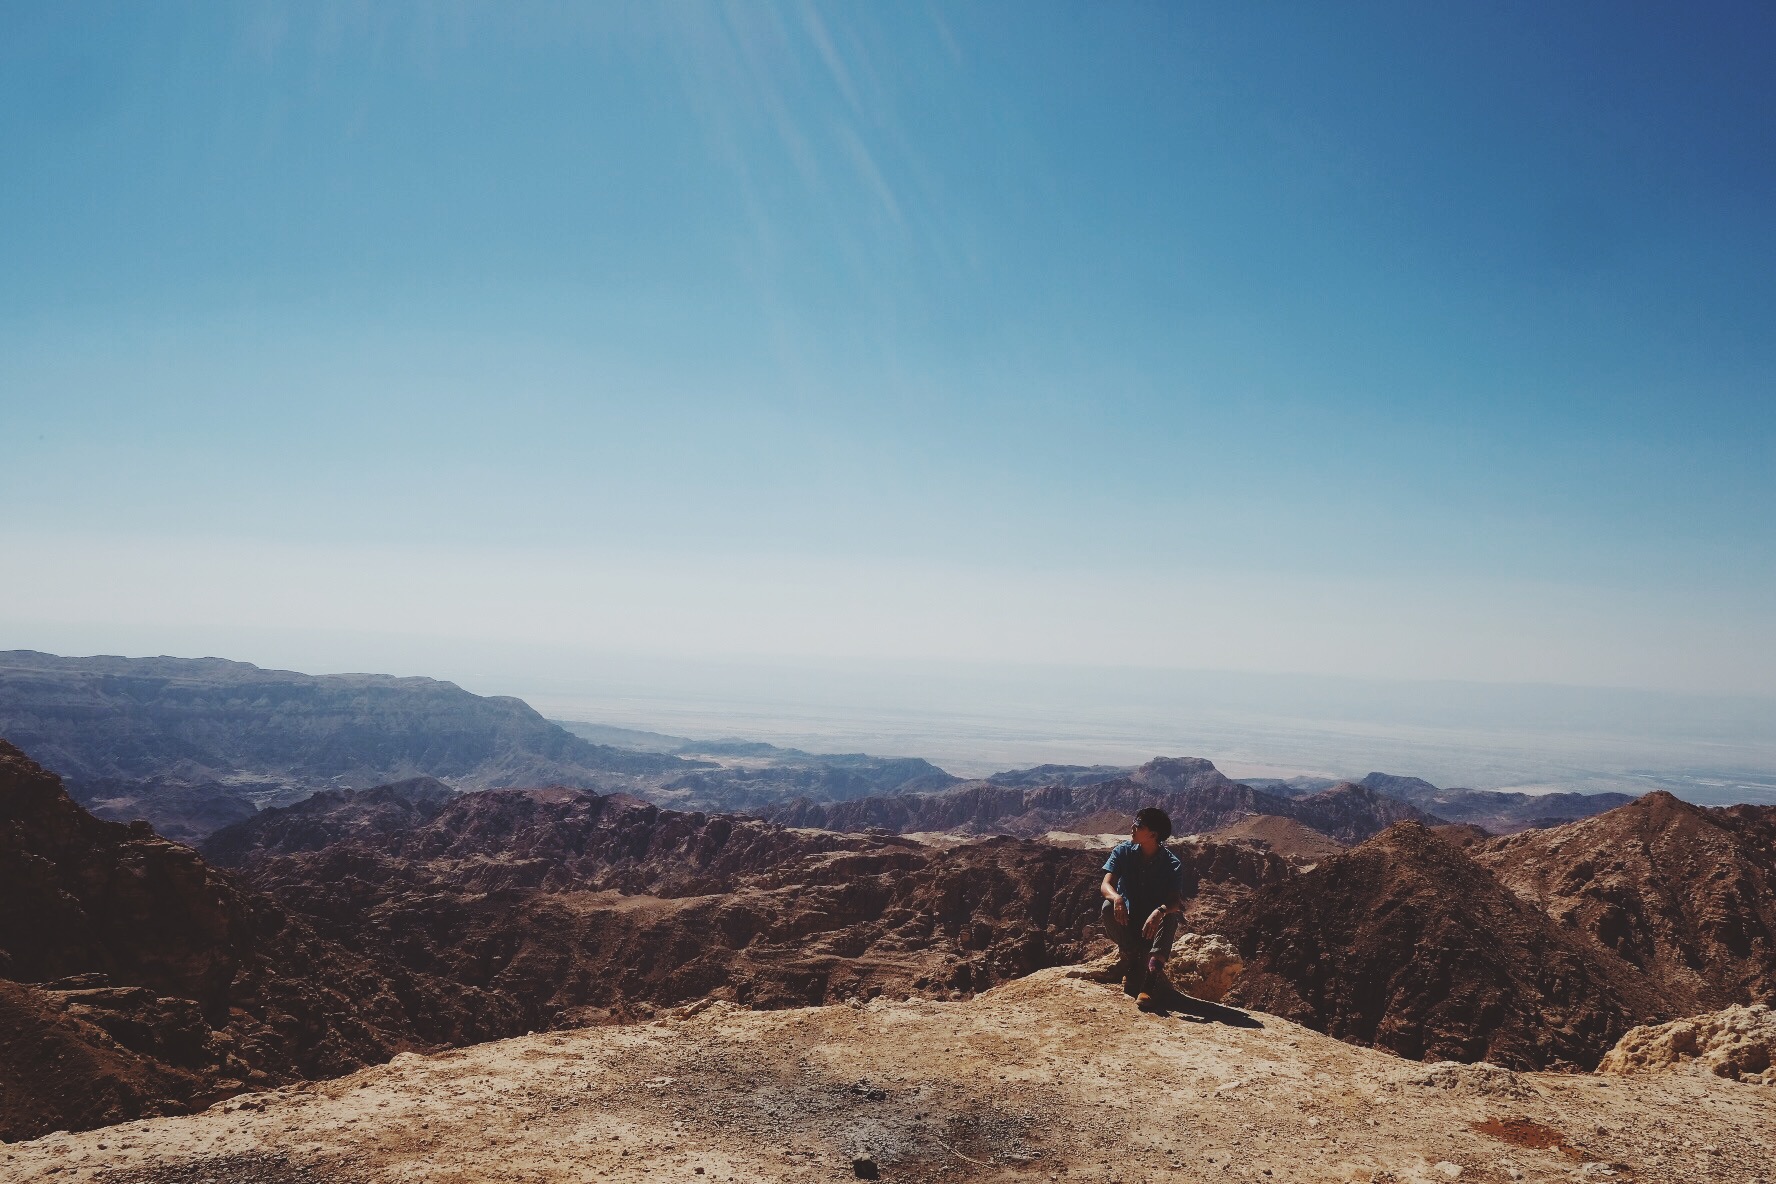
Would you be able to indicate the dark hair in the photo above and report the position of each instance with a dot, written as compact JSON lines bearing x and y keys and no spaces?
{"x":1157,"y":821}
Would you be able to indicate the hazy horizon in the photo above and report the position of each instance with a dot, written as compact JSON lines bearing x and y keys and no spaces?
{"x":977,"y":718}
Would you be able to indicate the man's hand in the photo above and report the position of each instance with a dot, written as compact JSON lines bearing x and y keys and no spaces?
{"x":1121,"y":909}
{"x":1154,"y":920}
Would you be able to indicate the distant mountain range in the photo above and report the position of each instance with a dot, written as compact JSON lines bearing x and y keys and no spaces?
{"x":1501,"y":813}
{"x":1197,"y":795}
{"x":194,"y":743}
{"x":1497,"y":812}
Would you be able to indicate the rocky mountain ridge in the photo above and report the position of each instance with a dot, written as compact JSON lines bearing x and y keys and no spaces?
{"x":177,"y":741}
{"x":609,"y":906}
{"x":1685,"y":894}
{"x":1528,"y":949}
{"x":137,"y":979}
{"x":1408,"y":943}
{"x":1198,"y":797}
{"x":1501,"y":813}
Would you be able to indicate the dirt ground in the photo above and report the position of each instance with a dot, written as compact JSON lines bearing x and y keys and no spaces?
{"x":1053,"y":1077}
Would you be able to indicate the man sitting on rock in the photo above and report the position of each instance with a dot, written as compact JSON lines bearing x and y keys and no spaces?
{"x":1143,"y":896}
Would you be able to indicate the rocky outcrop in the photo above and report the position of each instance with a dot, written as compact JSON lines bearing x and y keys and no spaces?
{"x":155,"y":735}
{"x":1012,"y":1085}
{"x":1528,"y":950}
{"x":66,"y":1072}
{"x":1686,"y":894}
{"x":1406,"y":943}
{"x":1738,"y":1043}
{"x":1204,"y":966}
{"x":164,"y":984}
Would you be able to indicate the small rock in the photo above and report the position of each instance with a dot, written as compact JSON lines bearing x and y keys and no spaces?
{"x":1450,"y":1171}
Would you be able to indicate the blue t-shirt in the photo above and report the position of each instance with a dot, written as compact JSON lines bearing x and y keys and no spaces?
{"x":1145,"y":883}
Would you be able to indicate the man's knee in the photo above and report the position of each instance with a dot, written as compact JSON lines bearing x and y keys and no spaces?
{"x":1166,"y":935}
{"x":1115,"y":928}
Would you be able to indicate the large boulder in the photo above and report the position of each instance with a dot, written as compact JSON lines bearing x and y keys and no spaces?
{"x":1204,"y":965}
{"x":1738,"y":1043}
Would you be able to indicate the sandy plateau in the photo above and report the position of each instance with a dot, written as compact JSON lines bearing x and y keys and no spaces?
{"x":1050,"y":1077}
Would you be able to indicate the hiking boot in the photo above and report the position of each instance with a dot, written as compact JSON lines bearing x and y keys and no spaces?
{"x":1154,"y":988}
{"x":1134,"y":978}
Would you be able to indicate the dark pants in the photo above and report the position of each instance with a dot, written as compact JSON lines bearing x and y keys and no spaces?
{"x":1136,"y":950}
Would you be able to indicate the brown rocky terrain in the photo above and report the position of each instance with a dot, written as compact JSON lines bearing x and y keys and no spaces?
{"x":1351,"y":813}
{"x":534,"y":909}
{"x":1046,"y":1078}
{"x":137,"y":979}
{"x":1290,"y":839}
{"x":584,"y":907}
{"x":331,"y":816}
{"x":589,"y":908}
{"x":160,"y":982}
{"x":1527,"y":949}
{"x":1407,"y":943}
{"x":1686,"y":894}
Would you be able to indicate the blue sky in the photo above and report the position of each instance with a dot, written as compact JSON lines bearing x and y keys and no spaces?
{"x":1401,"y":340}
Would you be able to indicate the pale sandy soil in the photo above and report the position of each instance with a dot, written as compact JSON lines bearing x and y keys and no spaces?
{"x":1049,"y":1078}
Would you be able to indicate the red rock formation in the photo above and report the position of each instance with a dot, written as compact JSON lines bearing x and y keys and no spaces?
{"x":1408,"y":944}
{"x":1685,"y":893}
{"x":180,"y":985}
{"x":575,"y":904}
{"x":580,"y":907}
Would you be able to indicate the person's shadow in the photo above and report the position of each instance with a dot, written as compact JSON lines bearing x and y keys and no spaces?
{"x":1171,"y":1001}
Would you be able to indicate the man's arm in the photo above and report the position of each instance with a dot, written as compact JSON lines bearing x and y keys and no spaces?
{"x":1108,"y":891}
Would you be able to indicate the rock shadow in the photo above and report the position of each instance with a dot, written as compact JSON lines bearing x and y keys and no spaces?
{"x":1172,"y":1002}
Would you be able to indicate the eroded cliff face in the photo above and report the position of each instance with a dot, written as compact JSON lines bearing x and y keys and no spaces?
{"x":1406,"y":943}
{"x":584,"y":906}
{"x":1530,"y":950}
{"x":162,"y":982}
{"x":1686,"y":894}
